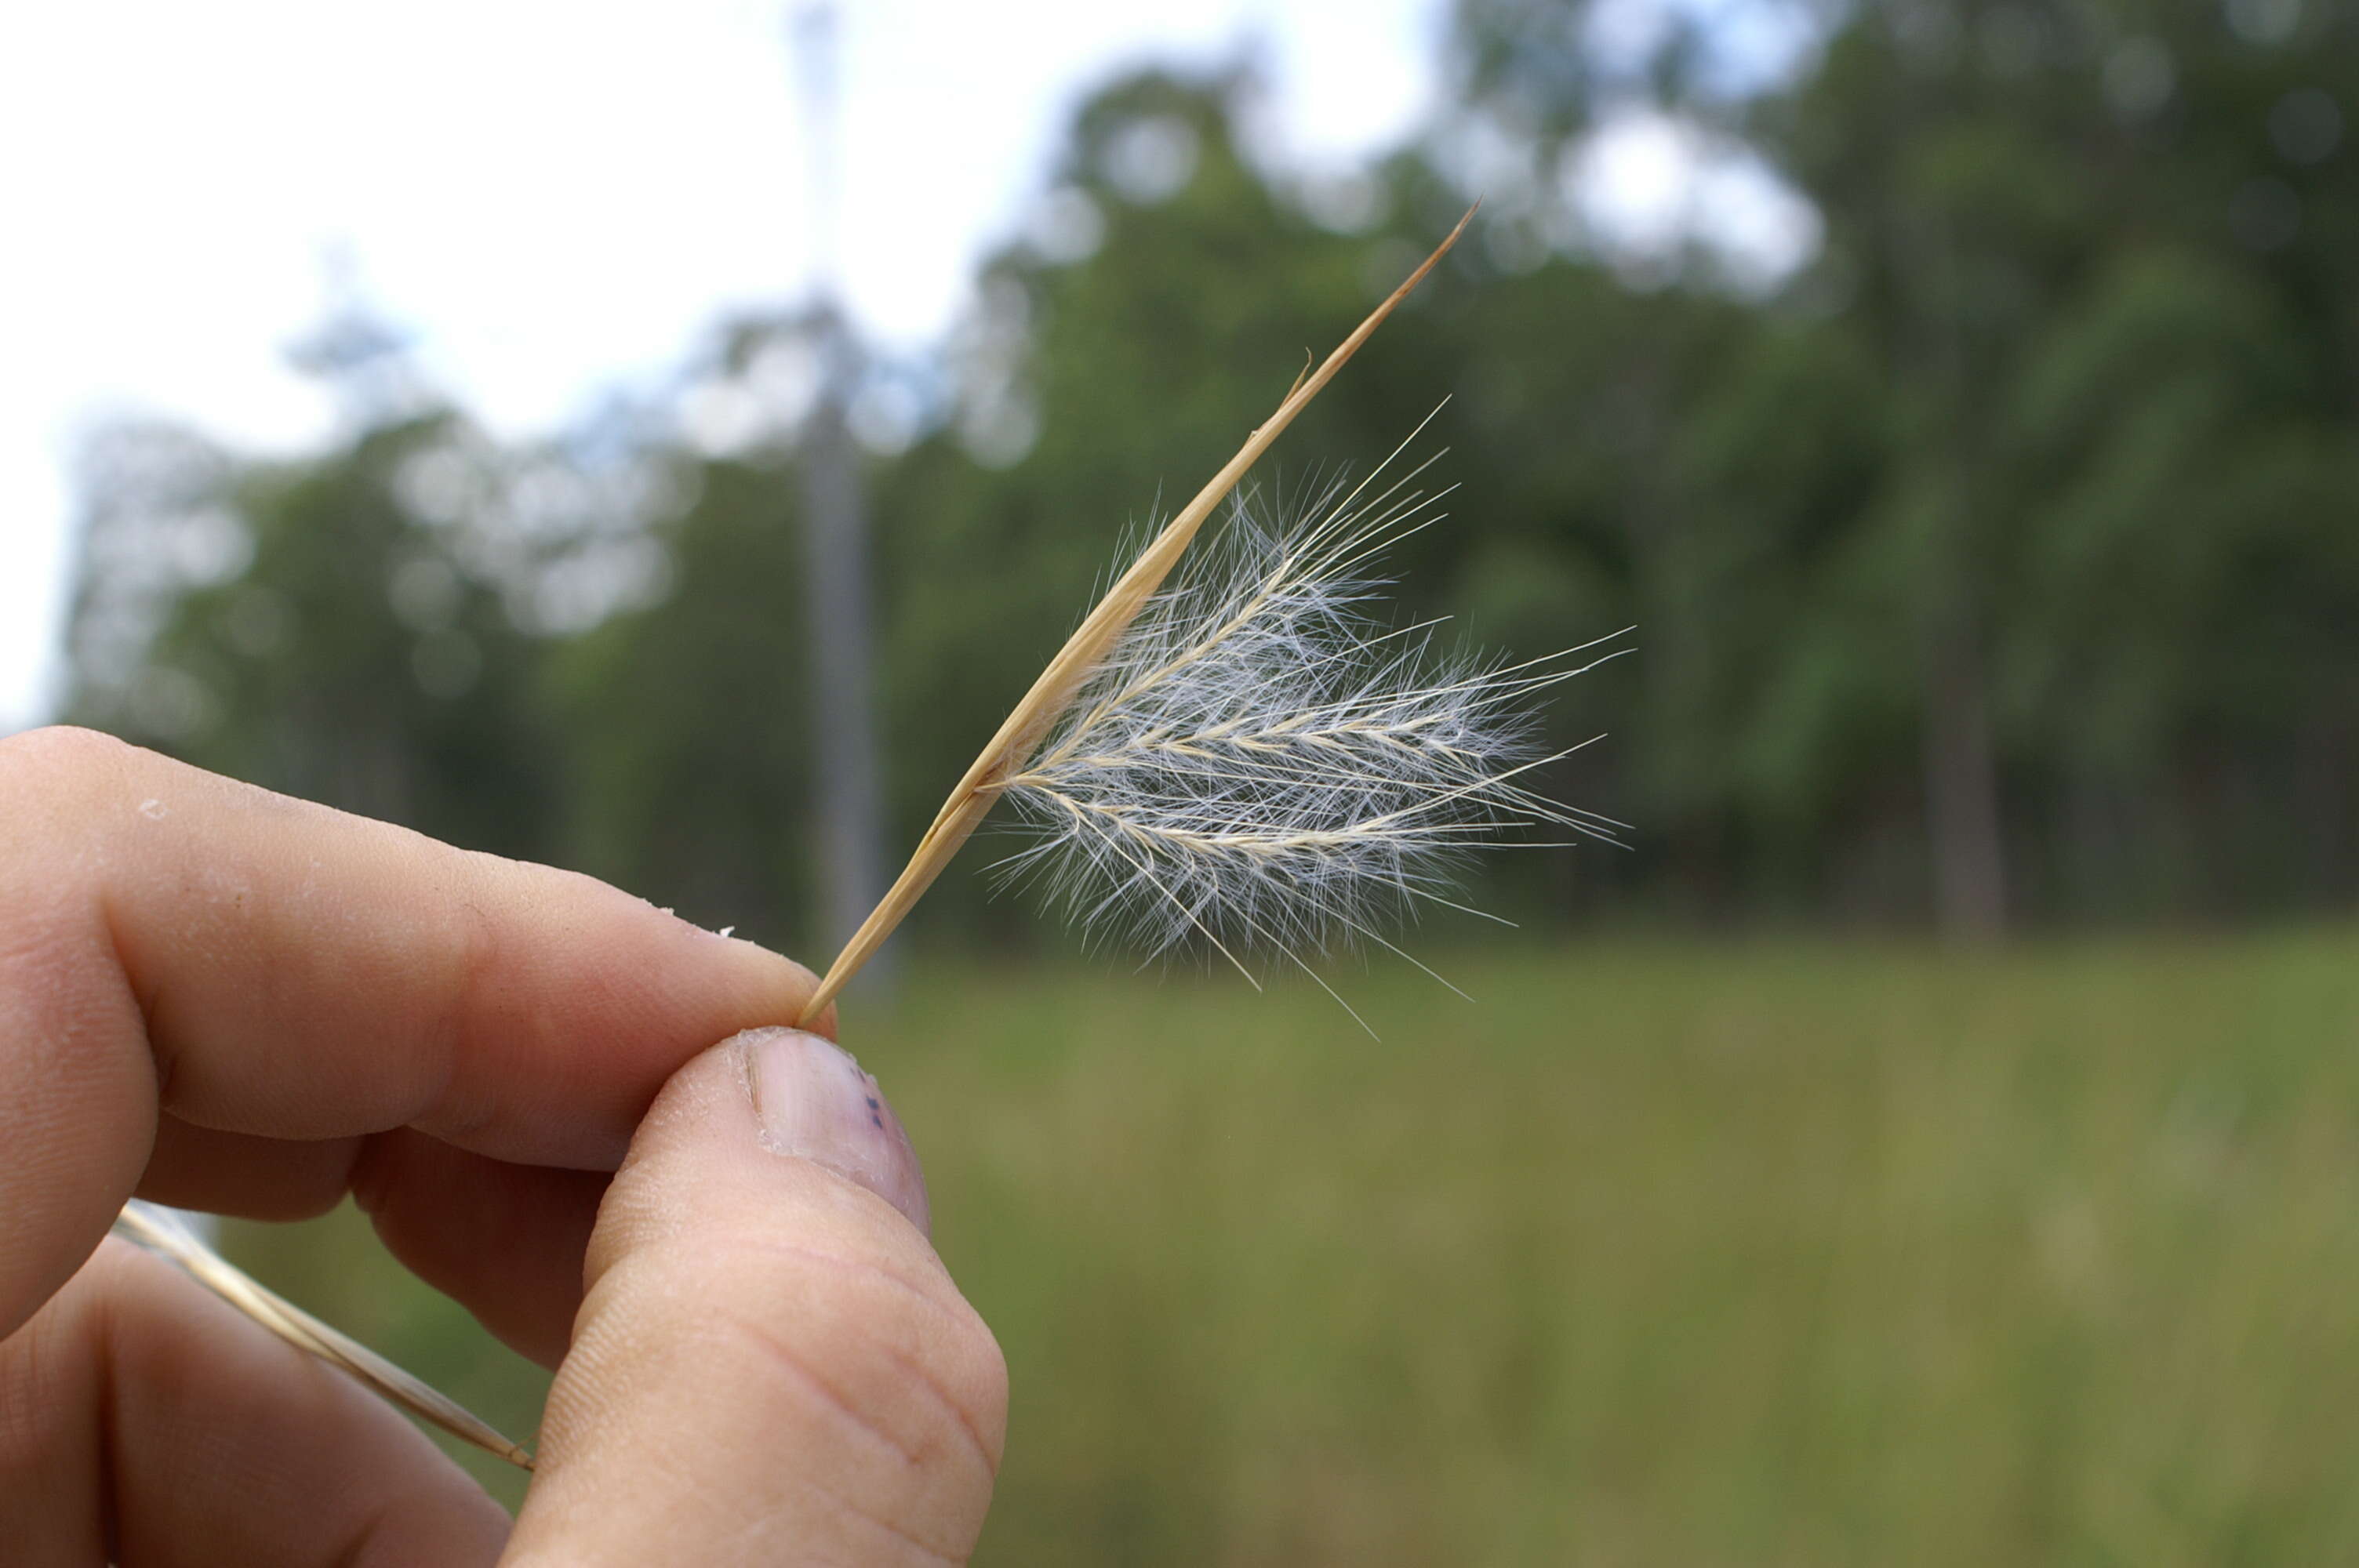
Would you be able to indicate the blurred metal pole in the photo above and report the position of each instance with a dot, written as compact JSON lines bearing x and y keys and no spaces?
{"x":847,"y":771}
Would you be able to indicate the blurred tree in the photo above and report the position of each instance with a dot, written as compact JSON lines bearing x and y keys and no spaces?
{"x":689,"y":745}
{"x":306,"y":626}
{"x":1997,"y":564}
{"x":2121,"y":393}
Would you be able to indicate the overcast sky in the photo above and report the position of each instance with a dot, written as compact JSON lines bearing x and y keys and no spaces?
{"x":556,"y":195}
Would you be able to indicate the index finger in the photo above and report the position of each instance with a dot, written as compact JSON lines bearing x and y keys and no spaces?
{"x":173,"y":941}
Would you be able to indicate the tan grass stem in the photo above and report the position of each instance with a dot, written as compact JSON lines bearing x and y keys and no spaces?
{"x":1012,"y":747}
{"x":160,"y":1235}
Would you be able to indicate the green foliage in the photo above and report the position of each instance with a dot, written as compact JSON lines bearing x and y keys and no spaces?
{"x":686,"y":720}
{"x":356,"y":656}
{"x":2002,"y":557}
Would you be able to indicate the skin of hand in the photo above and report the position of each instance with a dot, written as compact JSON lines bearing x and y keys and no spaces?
{"x":220,"y":997}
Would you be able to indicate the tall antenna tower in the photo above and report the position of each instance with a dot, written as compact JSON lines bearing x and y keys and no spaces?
{"x":849,"y":776}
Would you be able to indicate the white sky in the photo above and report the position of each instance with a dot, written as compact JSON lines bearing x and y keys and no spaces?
{"x":556,"y":195}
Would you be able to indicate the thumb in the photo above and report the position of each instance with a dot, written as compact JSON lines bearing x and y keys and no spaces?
{"x":770,"y":1364}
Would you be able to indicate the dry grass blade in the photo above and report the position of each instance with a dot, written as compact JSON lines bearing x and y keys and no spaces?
{"x":1012,"y":747}
{"x":162,"y":1235}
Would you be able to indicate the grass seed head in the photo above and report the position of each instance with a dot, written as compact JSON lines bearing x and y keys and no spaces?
{"x":1260,"y":762}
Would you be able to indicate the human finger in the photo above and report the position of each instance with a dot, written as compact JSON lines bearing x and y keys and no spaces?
{"x":771,"y":1365}
{"x":504,"y":1241}
{"x":149,"y":1422}
{"x":173,"y":943}
{"x":246,"y":1174}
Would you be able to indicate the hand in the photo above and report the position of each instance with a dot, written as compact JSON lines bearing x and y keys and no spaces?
{"x":220,"y":997}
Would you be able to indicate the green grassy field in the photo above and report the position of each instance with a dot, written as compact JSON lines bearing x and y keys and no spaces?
{"x":1657,"y":1254}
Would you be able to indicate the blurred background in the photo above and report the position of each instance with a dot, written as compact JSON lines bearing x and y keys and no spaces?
{"x":662,"y":440}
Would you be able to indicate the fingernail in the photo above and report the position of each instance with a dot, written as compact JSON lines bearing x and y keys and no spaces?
{"x":815,"y":1103}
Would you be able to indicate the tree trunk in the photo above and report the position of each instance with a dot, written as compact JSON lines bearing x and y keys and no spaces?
{"x":1962,"y":811}
{"x":850,"y":777}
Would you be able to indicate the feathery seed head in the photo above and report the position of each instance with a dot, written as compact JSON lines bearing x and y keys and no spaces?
{"x":1258,"y":762}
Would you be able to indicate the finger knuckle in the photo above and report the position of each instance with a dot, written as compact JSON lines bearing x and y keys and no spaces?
{"x":64,"y":746}
{"x":46,"y":772}
{"x":50,"y":1365}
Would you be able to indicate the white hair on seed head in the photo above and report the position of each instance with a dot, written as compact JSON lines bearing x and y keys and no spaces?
{"x":1258,"y":762}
